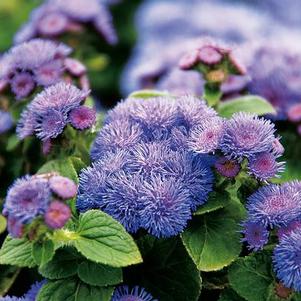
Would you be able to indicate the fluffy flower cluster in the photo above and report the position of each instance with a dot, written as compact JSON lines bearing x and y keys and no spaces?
{"x":31,"y":295}
{"x":56,"y":17}
{"x":39,"y":63}
{"x":51,"y":110}
{"x":153,"y":159}
{"x":124,"y":293}
{"x":39,"y":196}
{"x":277,"y":207}
{"x":186,"y":20}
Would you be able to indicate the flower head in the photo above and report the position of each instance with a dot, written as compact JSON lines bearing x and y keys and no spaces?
{"x":287,"y":260}
{"x":206,"y":136}
{"x":124,"y":293}
{"x":227,"y":168}
{"x":27,"y":198}
{"x":63,"y":187}
{"x":57,"y":215}
{"x":56,"y":17}
{"x":246,"y":135}
{"x":48,"y":114}
{"x":82,"y":117}
{"x":32,"y":293}
{"x":275,"y":205}
{"x":264,"y":166}
{"x":287,"y":230}
{"x":255,"y":235}
{"x":35,"y":63}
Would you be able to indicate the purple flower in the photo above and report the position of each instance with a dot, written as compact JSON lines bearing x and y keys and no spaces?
{"x":57,"y":215}
{"x":35,"y":63}
{"x":22,"y":84}
{"x":75,"y":67}
{"x":245,"y":135}
{"x":63,"y":187}
{"x":264,"y":166}
{"x":294,"y":113}
{"x":145,"y":177}
{"x":255,"y":235}
{"x":12,"y":298}
{"x":206,"y":137}
{"x":275,"y":205}
{"x":227,"y":168}
{"x":82,"y":117}
{"x":287,"y":230}
{"x":210,"y":55}
{"x":47,"y":115}
{"x":166,"y":208}
{"x":49,"y":73}
{"x":27,"y":198}
{"x":56,"y":17}
{"x":124,"y":293}
{"x":287,"y":260}
{"x":114,"y":136}
{"x":52,"y":24}
{"x":6,"y":121}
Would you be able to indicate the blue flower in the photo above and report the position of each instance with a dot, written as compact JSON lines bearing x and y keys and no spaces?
{"x":246,"y":135}
{"x":32,"y":293}
{"x":264,"y":166}
{"x":124,"y":293}
{"x":48,"y":114}
{"x":275,"y":205}
{"x":287,"y":260}
{"x":27,"y":198}
{"x":255,"y":235}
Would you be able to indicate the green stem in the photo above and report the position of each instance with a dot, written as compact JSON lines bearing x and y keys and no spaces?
{"x":212,"y":94}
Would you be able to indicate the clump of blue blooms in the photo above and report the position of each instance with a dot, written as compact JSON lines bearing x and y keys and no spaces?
{"x":52,"y":109}
{"x":124,"y":293}
{"x":153,"y":160}
{"x":56,"y":17}
{"x":33,"y":197}
{"x":38,"y":63}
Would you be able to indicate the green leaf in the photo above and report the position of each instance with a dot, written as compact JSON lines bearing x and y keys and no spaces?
{"x":17,"y":252}
{"x":63,"y":166}
{"x":148,"y":94}
{"x":8,"y":275}
{"x":250,"y":103}
{"x":12,"y":142}
{"x":63,"y":265}
{"x":99,"y":274}
{"x":230,"y":295}
{"x":216,"y":201}
{"x":43,"y":252}
{"x":168,"y":272}
{"x":2,"y":223}
{"x":72,"y":289}
{"x":251,"y":276}
{"x":213,"y":241}
{"x":104,"y":240}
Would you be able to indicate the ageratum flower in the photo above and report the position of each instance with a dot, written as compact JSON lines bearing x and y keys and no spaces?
{"x":6,"y":121}
{"x":36,"y":63}
{"x":287,"y":260}
{"x":49,"y":112}
{"x":142,"y":177}
{"x":124,"y":293}
{"x":33,"y":197}
{"x":246,"y":135}
{"x":275,"y":205}
{"x":287,"y":230}
{"x":255,"y":235}
{"x":56,"y":17}
{"x":27,"y":198}
{"x":264,"y":166}
{"x":227,"y":168}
